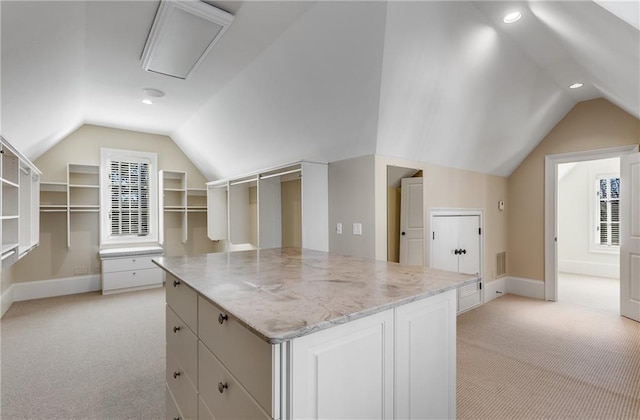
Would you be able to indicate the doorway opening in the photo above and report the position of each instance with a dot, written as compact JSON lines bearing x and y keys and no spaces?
{"x":588,"y":246}
{"x":551,"y":212}
{"x":395,"y":174}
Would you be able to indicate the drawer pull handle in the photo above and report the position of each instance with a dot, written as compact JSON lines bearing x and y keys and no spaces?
{"x":176,"y":283}
{"x":222,"y":387}
{"x":176,"y":418}
{"x":176,"y":329}
{"x":222,"y":318}
{"x":175,"y":375}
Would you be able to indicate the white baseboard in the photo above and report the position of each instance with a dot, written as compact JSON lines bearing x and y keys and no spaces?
{"x":588,"y":268}
{"x":6,"y":300}
{"x":495,"y":289}
{"x":525,"y":287}
{"x":56,"y":287}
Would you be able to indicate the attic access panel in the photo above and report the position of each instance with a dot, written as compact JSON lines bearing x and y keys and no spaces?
{"x":182,"y":34}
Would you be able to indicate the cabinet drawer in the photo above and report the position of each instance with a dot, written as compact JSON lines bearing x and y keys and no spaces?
{"x":112,"y":265}
{"x":203,"y":411}
{"x":234,"y":402}
{"x":182,"y":344}
{"x":246,"y":356}
{"x":172,"y":408}
{"x":128,"y":279}
{"x":183,"y":300}
{"x":182,"y":390}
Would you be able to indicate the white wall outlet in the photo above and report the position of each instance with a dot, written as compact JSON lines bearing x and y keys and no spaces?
{"x":357,"y":228}
{"x":339,"y":228}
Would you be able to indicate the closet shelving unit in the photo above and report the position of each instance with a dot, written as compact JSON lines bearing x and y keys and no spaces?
{"x":80,"y":194}
{"x":19,"y":195}
{"x":176,"y":197}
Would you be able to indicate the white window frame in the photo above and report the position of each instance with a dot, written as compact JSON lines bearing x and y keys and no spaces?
{"x":594,"y":237}
{"x":106,"y":156}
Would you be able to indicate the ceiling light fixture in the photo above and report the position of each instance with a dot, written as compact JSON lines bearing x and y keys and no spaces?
{"x":149,"y":93}
{"x":576,"y":86}
{"x":512,"y":17}
{"x":181,"y":36}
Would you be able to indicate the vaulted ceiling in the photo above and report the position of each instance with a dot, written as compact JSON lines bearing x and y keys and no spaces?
{"x":445,"y":82}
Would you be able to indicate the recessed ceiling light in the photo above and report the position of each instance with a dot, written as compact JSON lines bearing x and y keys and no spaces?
{"x":152,"y":93}
{"x":512,"y":17}
{"x":576,"y":86}
{"x":147,"y":101}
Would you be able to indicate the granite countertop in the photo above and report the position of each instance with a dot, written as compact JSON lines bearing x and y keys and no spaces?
{"x":281,"y":294}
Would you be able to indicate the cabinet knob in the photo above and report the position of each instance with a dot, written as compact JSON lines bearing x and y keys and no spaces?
{"x":175,"y":375}
{"x":176,"y":283}
{"x":222,"y":318}
{"x":403,"y":233}
{"x":176,"y":329}
{"x":463,"y":251}
{"x":222,"y":387}
{"x":176,"y":418}
{"x":456,"y":251}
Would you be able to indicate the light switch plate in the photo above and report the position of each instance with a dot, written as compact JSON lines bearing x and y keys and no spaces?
{"x":357,"y":228}
{"x":339,"y":228}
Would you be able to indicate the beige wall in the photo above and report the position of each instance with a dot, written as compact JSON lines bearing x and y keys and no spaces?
{"x":590,"y":125}
{"x":291,"y":202}
{"x":351,"y":198}
{"x":52,"y":259}
{"x":451,"y":189}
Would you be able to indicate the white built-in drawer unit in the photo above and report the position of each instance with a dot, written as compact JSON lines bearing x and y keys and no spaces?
{"x":244,"y":355}
{"x":129,"y":269}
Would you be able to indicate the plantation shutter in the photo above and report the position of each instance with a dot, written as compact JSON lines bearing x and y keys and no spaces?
{"x":609,"y":212}
{"x":129,"y":196}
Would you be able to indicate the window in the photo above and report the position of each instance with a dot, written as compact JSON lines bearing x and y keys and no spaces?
{"x":608,"y":211}
{"x":129,"y":199}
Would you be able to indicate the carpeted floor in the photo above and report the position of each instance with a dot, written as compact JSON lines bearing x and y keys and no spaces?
{"x":102,"y":357}
{"x":593,"y":292}
{"x":84,"y":356}
{"x":522,"y":358}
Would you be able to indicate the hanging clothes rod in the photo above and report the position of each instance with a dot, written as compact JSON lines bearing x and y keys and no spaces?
{"x":8,"y":254}
{"x":244,"y":181}
{"x":293,"y":171}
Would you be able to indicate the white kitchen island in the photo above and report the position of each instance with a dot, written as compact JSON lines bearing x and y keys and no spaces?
{"x":300,"y":334}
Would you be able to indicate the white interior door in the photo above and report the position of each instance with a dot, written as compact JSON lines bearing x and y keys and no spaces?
{"x":630,"y":236}
{"x":469,"y":244}
{"x":411,"y":222}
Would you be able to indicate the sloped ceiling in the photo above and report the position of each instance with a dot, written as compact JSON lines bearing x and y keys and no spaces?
{"x":442,"y":82}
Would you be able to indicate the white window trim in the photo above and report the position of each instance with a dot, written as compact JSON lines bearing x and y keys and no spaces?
{"x":593,"y":219}
{"x":107,"y":155}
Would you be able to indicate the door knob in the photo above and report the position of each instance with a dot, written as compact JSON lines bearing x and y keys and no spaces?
{"x":403,"y":233}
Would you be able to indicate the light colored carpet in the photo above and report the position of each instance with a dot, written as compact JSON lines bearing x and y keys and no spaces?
{"x":522,"y":358}
{"x":84,"y":356}
{"x":593,"y":292}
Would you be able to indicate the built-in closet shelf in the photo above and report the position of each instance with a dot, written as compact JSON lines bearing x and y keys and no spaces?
{"x":80,"y":194}
{"x":177,"y":199}
{"x":19,"y":198}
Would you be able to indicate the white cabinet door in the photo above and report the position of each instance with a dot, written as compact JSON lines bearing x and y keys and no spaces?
{"x":444,"y":241}
{"x":426,"y":358}
{"x":469,"y":244}
{"x":411,"y":222}
{"x":455,"y":246}
{"x":345,"y":371}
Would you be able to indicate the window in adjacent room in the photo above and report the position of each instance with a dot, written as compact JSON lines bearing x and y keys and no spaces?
{"x":607,"y":211}
{"x":129,"y":197}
